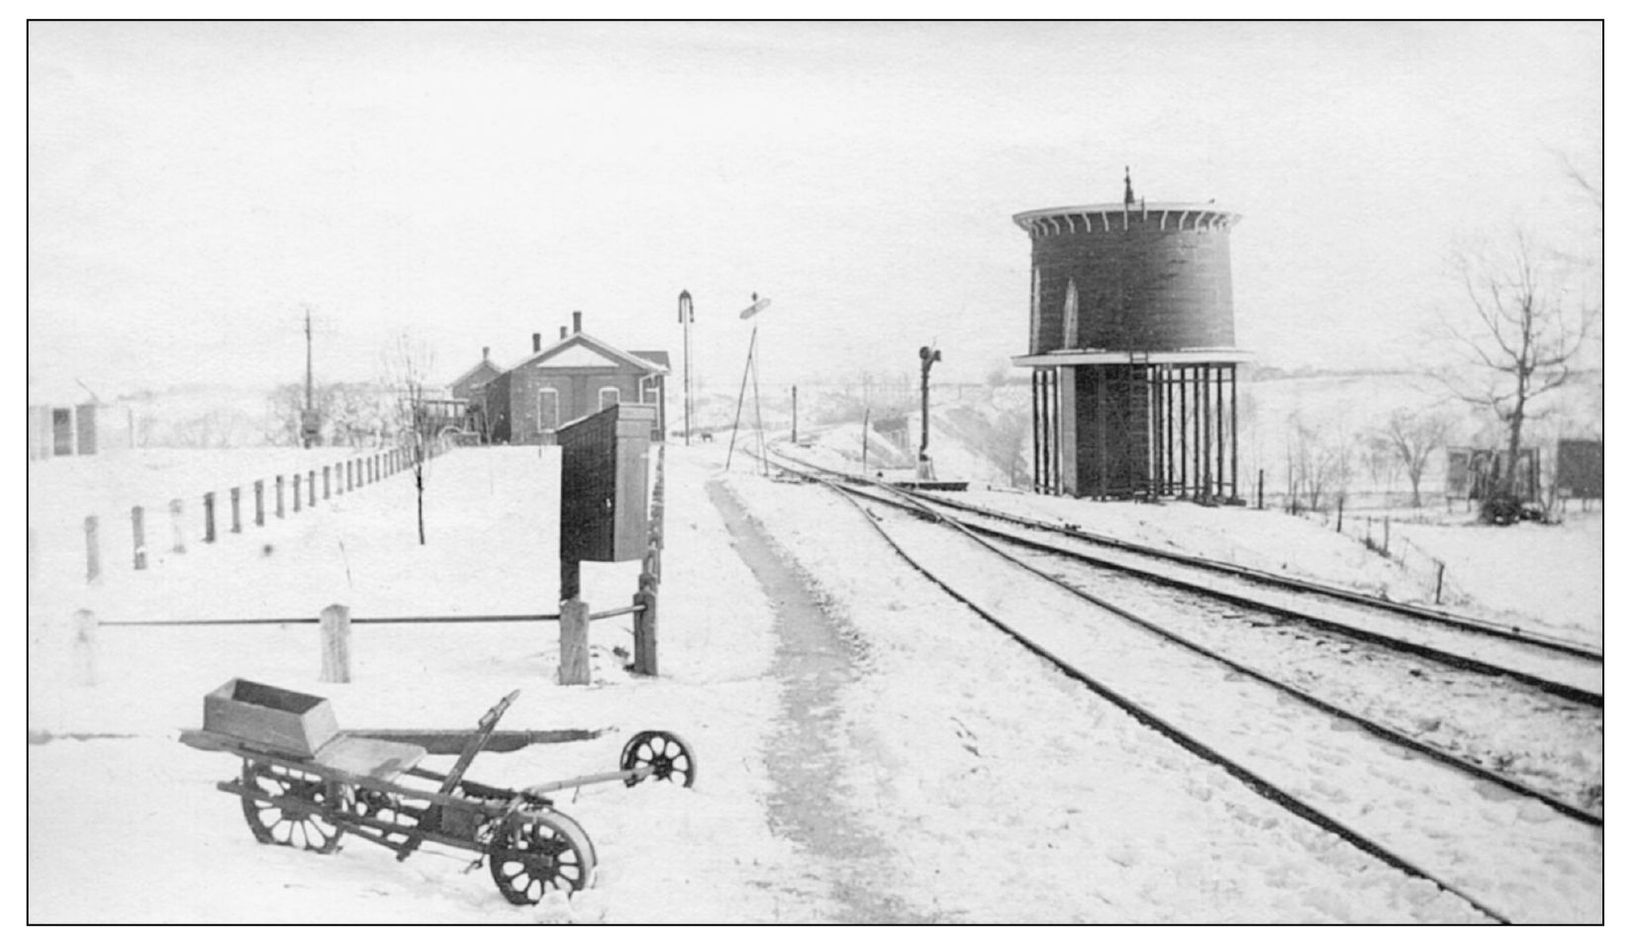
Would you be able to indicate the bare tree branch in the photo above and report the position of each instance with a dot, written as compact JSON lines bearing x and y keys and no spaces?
{"x":1519,"y":336}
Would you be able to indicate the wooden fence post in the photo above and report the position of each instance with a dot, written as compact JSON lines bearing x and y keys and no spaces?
{"x":326,"y":482}
{"x":177,"y":544}
{"x":139,"y":541}
{"x":210,"y":517}
{"x":233,"y":503}
{"x":278,"y":496}
{"x":574,"y":657}
{"x":574,"y":623}
{"x":93,"y":553}
{"x":295,"y":493}
{"x":312,"y":488}
{"x":335,"y":626}
{"x":1259,"y":489}
{"x":1439,"y":583}
{"x":646,"y":659}
{"x":261,"y":516}
{"x":85,"y":646}
{"x":1339,"y":514}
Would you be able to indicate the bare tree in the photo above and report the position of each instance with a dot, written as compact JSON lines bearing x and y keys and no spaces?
{"x":1522,"y":337}
{"x":407,"y":371}
{"x":1410,"y":439}
{"x":1316,"y":465}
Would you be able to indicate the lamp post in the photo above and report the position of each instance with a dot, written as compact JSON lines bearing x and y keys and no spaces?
{"x":685,"y":316}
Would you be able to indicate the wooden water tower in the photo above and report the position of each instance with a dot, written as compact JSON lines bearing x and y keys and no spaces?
{"x":1131,"y":339}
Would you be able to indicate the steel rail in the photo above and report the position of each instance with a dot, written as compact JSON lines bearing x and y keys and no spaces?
{"x":1257,"y":783}
{"x":1434,"y":653}
{"x":1466,"y":663}
{"x":1385,"y":732}
{"x":1467,"y":623}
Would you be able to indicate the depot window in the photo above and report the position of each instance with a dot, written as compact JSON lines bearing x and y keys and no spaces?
{"x":548,"y":410}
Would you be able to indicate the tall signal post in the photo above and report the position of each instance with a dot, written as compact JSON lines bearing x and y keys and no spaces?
{"x":757,"y":306}
{"x":929,"y":355}
{"x":685,"y":316}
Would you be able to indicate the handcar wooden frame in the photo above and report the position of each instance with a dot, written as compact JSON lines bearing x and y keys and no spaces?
{"x":305,"y":783}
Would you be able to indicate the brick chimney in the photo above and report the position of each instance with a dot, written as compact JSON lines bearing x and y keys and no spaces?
{"x":486,"y":354}
{"x":577,"y":321}
{"x":537,"y":342}
{"x":562,"y":332}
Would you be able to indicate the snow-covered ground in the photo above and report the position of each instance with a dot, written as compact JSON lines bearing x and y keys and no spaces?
{"x":148,"y":808}
{"x":993,"y":792}
{"x":1541,"y":576}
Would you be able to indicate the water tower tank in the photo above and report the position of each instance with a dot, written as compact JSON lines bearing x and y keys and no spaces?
{"x":1130,"y":277}
{"x":1131,"y":344}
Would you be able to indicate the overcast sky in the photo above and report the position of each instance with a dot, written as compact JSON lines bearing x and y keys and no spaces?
{"x":193,"y":186}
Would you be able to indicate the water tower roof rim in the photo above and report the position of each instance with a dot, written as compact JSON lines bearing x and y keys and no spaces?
{"x":1025,"y":219}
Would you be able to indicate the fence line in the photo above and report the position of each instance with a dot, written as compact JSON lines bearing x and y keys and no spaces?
{"x":367,"y":469}
{"x":335,"y":624}
{"x":1432,"y":573}
{"x":377,"y":620}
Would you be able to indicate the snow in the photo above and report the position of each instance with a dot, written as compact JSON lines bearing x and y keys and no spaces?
{"x":1547,"y":577}
{"x":983,"y":788}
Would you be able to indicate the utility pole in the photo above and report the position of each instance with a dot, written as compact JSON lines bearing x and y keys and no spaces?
{"x":309,"y":417}
{"x":685,"y":316}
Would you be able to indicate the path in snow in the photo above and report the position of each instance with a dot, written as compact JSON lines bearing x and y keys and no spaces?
{"x":813,"y":663}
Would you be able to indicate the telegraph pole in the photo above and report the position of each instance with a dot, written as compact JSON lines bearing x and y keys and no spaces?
{"x":309,"y":326}
{"x":309,"y":418}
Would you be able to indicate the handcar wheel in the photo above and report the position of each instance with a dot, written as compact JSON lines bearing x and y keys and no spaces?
{"x":669,"y":756}
{"x":540,"y":852}
{"x":272,"y":824}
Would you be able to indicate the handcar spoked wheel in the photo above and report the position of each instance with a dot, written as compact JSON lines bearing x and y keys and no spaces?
{"x":538,"y":852}
{"x":293,"y":827}
{"x":669,"y":756}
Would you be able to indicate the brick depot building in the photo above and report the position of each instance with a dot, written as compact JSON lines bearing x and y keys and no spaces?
{"x":577,"y":376}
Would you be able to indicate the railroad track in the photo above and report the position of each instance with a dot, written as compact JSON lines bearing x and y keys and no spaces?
{"x":1551,"y":664}
{"x":1400,"y":799}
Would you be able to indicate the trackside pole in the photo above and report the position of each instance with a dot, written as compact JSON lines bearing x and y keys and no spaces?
{"x":93,"y":550}
{"x":335,"y":629}
{"x":85,"y":646}
{"x":750,"y":354}
{"x":574,"y":623}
